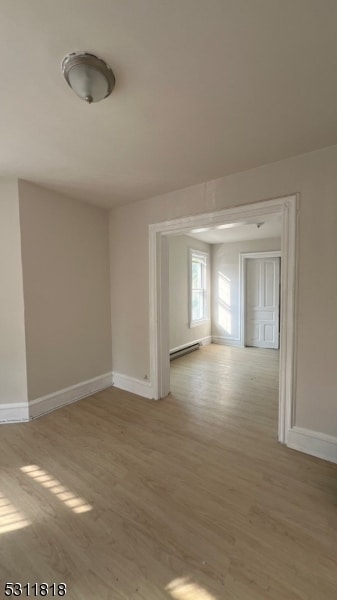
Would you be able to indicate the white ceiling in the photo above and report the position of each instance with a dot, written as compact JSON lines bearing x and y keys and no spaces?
{"x":268,"y":228}
{"x":203,"y":88}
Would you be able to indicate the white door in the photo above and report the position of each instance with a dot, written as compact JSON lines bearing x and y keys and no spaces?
{"x":262,"y":302}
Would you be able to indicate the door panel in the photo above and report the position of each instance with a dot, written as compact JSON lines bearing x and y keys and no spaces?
{"x":262,"y":302}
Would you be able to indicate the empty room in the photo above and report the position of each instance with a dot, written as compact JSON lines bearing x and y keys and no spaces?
{"x":168,"y":382}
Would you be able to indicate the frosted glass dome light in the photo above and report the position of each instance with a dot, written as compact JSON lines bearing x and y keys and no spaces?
{"x":88,"y":76}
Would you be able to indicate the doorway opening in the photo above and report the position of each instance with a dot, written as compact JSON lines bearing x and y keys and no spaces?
{"x":159,"y":297}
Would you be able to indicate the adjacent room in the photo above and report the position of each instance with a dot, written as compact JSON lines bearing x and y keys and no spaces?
{"x":224,"y":289}
{"x":168,"y":190}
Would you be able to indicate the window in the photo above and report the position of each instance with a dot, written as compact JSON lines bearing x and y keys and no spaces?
{"x":198,"y":288}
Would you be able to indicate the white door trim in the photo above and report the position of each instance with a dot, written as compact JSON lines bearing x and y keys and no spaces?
{"x":243,"y":266}
{"x":158,"y":294}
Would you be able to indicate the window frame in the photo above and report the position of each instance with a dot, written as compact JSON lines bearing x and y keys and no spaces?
{"x":204,"y":261}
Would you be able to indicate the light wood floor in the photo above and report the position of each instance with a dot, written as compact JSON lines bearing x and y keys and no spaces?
{"x":189,"y":498}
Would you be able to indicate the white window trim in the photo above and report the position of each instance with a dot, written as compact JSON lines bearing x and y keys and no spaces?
{"x":206,"y":318}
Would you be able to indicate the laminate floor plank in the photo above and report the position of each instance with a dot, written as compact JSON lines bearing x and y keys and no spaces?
{"x":187,"y":498}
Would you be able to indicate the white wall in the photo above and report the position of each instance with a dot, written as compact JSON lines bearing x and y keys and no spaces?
{"x":314,"y":177}
{"x":65,"y":257}
{"x":13,"y":380}
{"x":226,"y":264}
{"x":179,"y":254}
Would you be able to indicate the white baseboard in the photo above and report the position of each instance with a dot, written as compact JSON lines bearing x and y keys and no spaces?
{"x":202,"y":341}
{"x":313,"y":442}
{"x":133,"y":385}
{"x":51,"y":402}
{"x":17,"y":412}
{"x":225,"y":341}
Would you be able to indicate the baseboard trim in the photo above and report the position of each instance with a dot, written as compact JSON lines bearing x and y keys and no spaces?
{"x":18,"y":412}
{"x":133,"y":385}
{"x":313,"y":442}
{"x":225,"y":341}
{"x":51,"y":402}
{"x":205,"y":341}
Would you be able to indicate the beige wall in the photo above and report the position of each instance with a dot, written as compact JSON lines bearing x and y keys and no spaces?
{"x":129,"y":263}
{"x":180,"y":331}
{"x":129,"y":294}
{"x":314,"y":177}
{"x":226,"y":261}
{"x":65,"y":257}
{"x":13,"y":380}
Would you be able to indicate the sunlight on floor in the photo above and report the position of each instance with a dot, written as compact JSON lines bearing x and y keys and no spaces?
{"x":77,"y":504}
{"x":10,"y":518}
{"x":183,"y":589}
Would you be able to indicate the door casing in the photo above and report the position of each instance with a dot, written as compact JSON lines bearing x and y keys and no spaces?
{"x":287,"y":208}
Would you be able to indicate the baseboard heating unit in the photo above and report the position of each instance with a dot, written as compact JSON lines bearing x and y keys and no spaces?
{"x":185,"y":350}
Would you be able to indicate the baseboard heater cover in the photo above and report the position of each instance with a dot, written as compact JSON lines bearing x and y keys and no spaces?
{"x":185,"y":350}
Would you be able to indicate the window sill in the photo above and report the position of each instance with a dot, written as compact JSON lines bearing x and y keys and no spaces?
{"x":198,"y":323}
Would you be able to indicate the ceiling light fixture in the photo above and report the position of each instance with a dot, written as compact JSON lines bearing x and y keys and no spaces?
{"x":88,"y":76}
